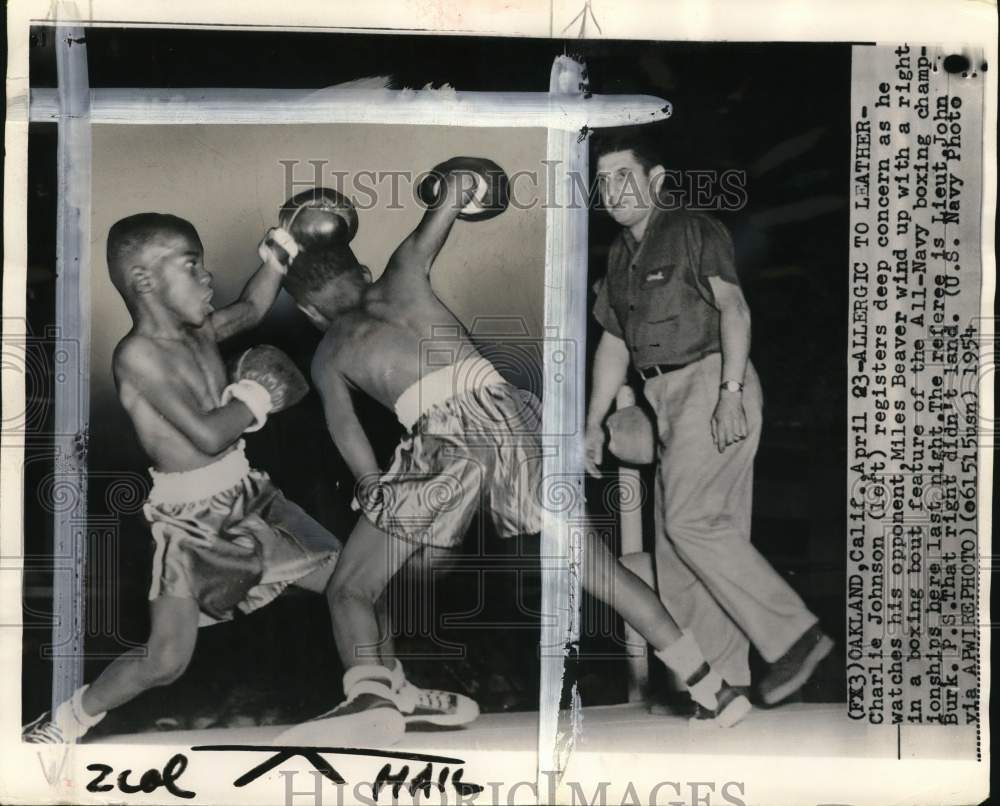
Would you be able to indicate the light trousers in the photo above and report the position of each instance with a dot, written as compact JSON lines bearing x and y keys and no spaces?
{"x":709,"y":575}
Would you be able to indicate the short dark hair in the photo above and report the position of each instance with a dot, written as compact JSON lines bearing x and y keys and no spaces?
{"x":641,"y":143}
{"x":129,"y":236}
{"x":312,"y":270}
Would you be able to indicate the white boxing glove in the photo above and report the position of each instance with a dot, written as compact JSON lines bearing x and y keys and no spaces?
{"x":252,"y":395}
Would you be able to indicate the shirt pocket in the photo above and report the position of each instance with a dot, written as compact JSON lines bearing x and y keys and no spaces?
{"x":655,"y":316}
{"x":657,"y":299}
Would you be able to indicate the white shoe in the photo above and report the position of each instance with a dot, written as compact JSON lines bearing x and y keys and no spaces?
{"x":43,"y":730}
{"x":732,"y":707}
{"x":369,"y":717}
{"x":67,"y":725}
{"x":429,"y":706}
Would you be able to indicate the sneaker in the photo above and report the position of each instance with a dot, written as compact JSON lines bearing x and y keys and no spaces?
{"x":363,"y":720}
{"x":67,"y":724}
{"x":733,"y":705}
{"x":430,"y":706}
{"x":791,"y":671}
{"x":369,"y":717}
{"x":43,"y":731}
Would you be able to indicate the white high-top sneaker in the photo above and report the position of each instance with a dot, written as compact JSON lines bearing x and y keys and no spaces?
{"x":431,"y":706}
{"x":69,"y":723}
{"x":369,"y":717}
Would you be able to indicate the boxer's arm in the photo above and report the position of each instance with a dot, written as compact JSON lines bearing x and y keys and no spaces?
{"x":415,"y":255}
{"x":255,"y":300}
{"x":342,"y":421}
{"x":211,"y":432}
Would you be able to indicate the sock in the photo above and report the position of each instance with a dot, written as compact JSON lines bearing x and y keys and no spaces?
{"x":404,"y":693}
{"x":704,"y":690}
{"x":72,"y":720}
{"x":398,"y":676}
{"x":370,"y":679}
{"x":685,"y":658}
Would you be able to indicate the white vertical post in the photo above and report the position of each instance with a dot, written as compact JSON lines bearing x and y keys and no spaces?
{"x":563,"y":408}
{"x":630,"y":523}
{"x":72,"y":392}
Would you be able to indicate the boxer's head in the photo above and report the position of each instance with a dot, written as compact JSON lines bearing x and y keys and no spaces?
{"x":156,"y":261}
{"x":327,"y":282}
{"x":629,"y":176}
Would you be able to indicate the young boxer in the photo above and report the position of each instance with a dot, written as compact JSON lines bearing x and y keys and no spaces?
{"x":470,"y":435}
{"x":226,"y":538}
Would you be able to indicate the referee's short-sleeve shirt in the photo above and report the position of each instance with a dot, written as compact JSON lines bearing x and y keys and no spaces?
{"x":656,"y":294}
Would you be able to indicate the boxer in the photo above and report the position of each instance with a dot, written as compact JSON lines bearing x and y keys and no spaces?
{"x":226,"y":538}
{"x":469,"y":434}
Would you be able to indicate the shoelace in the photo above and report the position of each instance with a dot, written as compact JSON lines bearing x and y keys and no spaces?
{"x":46,"y":732}
{"x":433,"y":699}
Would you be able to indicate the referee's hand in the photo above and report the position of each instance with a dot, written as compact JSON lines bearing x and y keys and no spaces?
{"x":729,"y":421}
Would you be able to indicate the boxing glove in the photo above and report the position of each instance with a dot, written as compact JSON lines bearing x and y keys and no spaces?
{"x":631,"y":436}
{"x":318,"y":218}
{"x":492,"y":194}
{"x":265,"y":380}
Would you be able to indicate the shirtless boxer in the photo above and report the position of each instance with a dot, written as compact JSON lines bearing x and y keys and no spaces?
{"x":470,"y":434}
{"x":226,"y":538}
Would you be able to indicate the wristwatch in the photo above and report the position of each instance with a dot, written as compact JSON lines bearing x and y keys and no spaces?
{"x":731,"y":386}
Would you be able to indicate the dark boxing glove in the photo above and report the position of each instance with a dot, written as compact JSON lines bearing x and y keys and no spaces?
{"x":632,"y":437}
{"x":316,"y":218}
{"x":492,"y":191}
{"x":265,"y":380}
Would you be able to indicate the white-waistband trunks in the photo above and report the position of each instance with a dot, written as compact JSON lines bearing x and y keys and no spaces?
{"x":436,"y":387}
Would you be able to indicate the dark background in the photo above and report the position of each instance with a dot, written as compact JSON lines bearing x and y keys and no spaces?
{"x":734,"y":104}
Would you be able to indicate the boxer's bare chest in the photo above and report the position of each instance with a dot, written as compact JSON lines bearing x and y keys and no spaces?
{"x":196,"y":362}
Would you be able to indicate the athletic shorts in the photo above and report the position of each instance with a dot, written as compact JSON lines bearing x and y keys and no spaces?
{"x":475,"y":451}
{"x":226,"y":537}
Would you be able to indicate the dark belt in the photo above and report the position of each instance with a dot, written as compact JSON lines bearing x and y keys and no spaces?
{"x":659,"y":369}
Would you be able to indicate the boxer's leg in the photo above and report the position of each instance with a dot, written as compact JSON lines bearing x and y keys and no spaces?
{"x":172,"y":638}
{"x":368,"y":562}
{"x":612,"y":583}
{"x":321,"y":581}
{"x":607,"y":579}
{"x":372,"y":713}
{"x":419,"y":705}
{"x":161,"y":661}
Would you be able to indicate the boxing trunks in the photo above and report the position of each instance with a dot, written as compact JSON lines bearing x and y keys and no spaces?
{"x":226,"y":537}
{"x":472,"y":442}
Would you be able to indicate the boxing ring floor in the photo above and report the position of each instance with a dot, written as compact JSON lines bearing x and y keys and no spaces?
{"x":792,"y":730}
